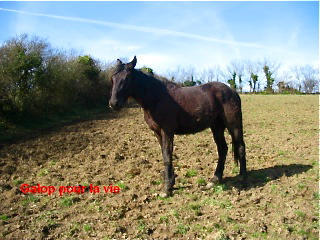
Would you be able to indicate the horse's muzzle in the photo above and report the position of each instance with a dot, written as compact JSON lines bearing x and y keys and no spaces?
{"x":115,"y":105}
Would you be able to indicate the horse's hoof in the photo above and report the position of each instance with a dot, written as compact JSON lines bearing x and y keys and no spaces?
{"x":209,"y":186}
{"x":164,"y":195}
{"x":213,"y":181}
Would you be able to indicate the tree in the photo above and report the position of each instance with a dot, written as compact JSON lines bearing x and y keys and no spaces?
{"x":211,"y":74}
{"x":21,"y":69}
{"x":269,"y":68}
{"x":308,"y":77}
{"x":269,"y":78}
{"x":232,"y":81}
{"x":253,"y":69}
{"x":235,"y":68}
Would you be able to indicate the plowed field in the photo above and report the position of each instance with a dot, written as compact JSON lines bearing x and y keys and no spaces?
{"x":280,"y":200}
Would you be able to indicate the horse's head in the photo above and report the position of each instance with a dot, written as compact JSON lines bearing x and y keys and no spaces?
{"x":122,"y":84}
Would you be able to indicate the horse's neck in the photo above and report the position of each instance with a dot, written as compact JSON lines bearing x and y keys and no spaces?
{"x":147,"y":90}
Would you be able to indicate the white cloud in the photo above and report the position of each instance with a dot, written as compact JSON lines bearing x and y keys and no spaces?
{"x":145,"y":29}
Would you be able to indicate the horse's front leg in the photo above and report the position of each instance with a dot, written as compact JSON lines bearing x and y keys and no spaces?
{"x":169,"y":177}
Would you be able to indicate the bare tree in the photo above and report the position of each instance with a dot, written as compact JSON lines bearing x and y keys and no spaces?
{"x":307,"y":76}
{"x":236,"y":68}
{"x":211,"y":74}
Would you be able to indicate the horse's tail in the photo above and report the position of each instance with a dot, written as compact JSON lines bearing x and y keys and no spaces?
{"x":235,"y":153}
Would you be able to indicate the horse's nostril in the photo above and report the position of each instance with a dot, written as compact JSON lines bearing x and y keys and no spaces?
{"x":114,"y":105}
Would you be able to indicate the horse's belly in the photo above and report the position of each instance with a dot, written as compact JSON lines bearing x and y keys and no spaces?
{"x":182,"y":130}
{"x":193,"y":126}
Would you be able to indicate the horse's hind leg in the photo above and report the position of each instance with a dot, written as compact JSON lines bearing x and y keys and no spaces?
{"x":239,"y":149}
{"x":218,"y":135}
{"x":169,"y":176}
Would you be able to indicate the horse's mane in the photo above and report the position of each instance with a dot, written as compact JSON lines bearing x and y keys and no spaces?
{"x":150,"y":87}
{"x":157,"y":78}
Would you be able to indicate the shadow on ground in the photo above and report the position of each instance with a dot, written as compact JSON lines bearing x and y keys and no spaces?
{"x":260,"y":177}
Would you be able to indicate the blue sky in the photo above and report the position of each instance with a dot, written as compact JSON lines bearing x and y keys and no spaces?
{"x":165,"y":35}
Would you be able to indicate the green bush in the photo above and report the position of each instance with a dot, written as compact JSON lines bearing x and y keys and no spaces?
{"x":37,"y":80}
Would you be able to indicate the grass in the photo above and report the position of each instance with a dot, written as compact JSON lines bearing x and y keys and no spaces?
{"x":191,"y":173}
{"x":196,"y":207}
{"x":17,"y":182}
{"x":220,"y":188}
{"x":87,"y":227}
{"x":201,"y":182}
{"x":182,"y":229}
{"x":66,"y":202}
{"x":224,"y":204}
{"x":121,"y":185}
{"x":31,"y":198}
{"x":4,"y":217}
{"x":42,"y":172}
{"x":300,"y":214}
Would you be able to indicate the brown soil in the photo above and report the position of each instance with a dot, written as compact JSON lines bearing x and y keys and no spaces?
{"x":280,"y":200}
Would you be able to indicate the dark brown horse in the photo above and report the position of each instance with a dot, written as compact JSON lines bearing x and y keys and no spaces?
{"x":170,"y":109}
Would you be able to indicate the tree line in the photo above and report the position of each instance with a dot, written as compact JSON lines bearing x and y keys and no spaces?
{"x":261,"y":75}
{"x":37,"y":80}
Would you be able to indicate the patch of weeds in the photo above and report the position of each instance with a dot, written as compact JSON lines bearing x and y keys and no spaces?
{"x":273,"y":188}
{"x":225,"y":204}
{"x":157,"y":182}
{"x":87,"y":227}
{"x":44,"y":215}
{"x":74,"y":229}
{"x":42,"y":172}
{"x":141,"y":225}
{"x":17,"y":182}
{"x":220,"y":188}
{"x":196,"y":207}
{"x":165,"y":199}
{"x":222,"y":204}
{"x":95,"y":207}
{"x":281,"y":153}
{"x":164,"y":219}
{"x":316,"y":196}
{"x":237,"y":227}
{"x":301,"y":186}
{"x":300,"y":214}
{"x":302,"y":232}
{"x":30,"y":199}
{"x":4,"y":217}
{"x":182,"y":180}
{"x":193,"y":196}
{"x":66,"y":202}
{"x":175,"y":213}
{"x":53,"y":162}
{"x":229,"y":220}
{"x":121,"y":185}
{"x":260,"y":235}
{"x":235,"y":169}
{"x":191,"y":173}
{"x":201,"y":182}
{"x":202,"y":229}
{"x":182,"y":229}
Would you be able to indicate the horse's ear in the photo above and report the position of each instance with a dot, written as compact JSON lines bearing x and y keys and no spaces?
{"x":119,"y":62}
{"x":133,"y":63}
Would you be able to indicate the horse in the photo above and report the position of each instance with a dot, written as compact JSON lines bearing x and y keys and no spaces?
{"x":170,"y":109}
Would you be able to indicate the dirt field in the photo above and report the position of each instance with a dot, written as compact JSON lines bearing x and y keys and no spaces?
{"x":280,"y":200}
